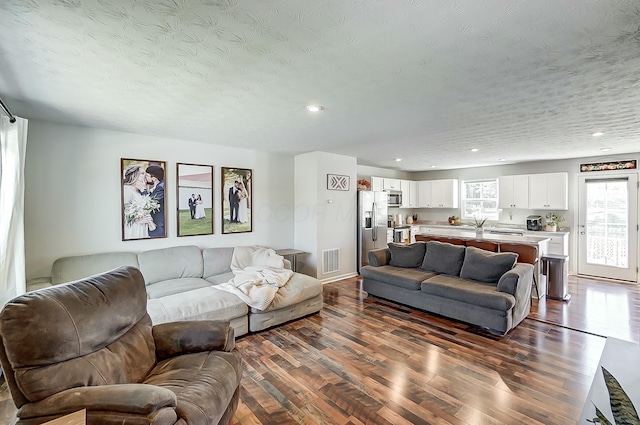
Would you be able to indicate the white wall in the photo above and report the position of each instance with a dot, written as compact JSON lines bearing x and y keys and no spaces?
{"x":72,"y":194}
{"x":365,"y":171}
{"x":326,"y":217}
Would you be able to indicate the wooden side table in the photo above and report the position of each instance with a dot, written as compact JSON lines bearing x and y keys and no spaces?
{"x":76,"y":418}
{"x":293,"y":253}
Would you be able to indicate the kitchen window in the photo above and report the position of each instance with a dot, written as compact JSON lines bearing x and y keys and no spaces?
{"x":480,"y":199}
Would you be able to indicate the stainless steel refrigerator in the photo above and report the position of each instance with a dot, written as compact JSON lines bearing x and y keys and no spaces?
{"x":372,"y":223}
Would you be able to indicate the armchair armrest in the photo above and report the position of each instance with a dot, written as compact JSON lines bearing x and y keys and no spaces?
{"x":379,"y":257}
{"x":193,"y":336}
{"x":517,"y":281}
{"x":136,"y":399}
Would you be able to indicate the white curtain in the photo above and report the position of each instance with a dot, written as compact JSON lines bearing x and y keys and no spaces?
{"x":13,"y":145}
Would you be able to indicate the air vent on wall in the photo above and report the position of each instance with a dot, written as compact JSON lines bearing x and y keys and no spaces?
{"x":330,"y":260}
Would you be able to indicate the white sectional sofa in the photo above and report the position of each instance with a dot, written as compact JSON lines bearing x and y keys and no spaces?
{"x":180,"y":286}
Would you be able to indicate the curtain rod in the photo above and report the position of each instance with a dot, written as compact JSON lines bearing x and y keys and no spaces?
{"x":12,"y":119}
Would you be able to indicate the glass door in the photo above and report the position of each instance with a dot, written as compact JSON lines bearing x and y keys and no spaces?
{"x":608,"y":227}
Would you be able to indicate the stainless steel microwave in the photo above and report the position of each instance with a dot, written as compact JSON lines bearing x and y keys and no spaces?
{"x":394,"y":198}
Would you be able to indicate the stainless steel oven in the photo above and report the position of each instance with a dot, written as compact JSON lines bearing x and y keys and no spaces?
{"x":394,"y":198}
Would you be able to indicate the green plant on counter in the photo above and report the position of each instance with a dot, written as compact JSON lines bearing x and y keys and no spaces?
{"x":480,"y":223}
{"x":554,"y":219}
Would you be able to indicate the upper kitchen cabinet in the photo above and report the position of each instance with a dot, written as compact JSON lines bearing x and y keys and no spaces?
{"x":391,"y":184}
{"x":377,"y":184}
{"x":409,"y":194}
{"x":438,"y":193}
{"x":513,"y":192}
{"x":424,"y":194}
{"x":548,"y":191}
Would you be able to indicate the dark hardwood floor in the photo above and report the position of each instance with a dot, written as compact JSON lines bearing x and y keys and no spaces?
{"x":370,"y":361}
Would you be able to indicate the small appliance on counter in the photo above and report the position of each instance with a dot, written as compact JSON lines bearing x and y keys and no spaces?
{"x":534,"y":222}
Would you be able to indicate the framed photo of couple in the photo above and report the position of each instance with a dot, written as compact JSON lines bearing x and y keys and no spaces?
{"x":143,"y":199}
{"x":195,"y":199}
{"x":237,"y":200}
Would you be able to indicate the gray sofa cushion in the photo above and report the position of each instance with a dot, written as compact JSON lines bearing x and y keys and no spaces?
{"x":443,"y":257}
{"x":467,"y":291}
{"x":175,"y":286}
{"x":68,"y":269}
{"x":485,"y":266}
{"x":398,"y":276}
{"x":170,"y":263}
{"x":216,"y":261}
{"x":407,"y":255}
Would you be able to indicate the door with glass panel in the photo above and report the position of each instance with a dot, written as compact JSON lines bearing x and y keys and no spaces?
{"x":608,"y":227}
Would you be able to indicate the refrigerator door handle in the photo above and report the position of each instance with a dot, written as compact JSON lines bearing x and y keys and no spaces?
{"x":374,"y":227}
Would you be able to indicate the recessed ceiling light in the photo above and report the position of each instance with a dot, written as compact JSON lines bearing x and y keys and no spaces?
{"x":598,"y":134}
{"x":605,"y":149}
{"x":475,"y":150}
{"x":433,"y":166}
{"x":398,"y":159}
{"x":314,"y":108}
{"x":502,"y":159}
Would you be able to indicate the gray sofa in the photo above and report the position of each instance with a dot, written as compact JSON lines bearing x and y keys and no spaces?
{"x":180,"y":286}
{"x":486,"y":289}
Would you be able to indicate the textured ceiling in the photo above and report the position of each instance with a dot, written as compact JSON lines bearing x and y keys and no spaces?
{"x":421,"y":80}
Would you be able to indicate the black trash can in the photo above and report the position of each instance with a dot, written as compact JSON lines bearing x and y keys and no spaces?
{"x":556,"y":269}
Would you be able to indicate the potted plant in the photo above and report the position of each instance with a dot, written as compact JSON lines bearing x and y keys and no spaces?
{"x":553,"y":222}
{"x":479,"y":226}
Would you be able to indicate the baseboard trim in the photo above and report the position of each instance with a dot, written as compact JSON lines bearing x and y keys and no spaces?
{"x":336,"y":278}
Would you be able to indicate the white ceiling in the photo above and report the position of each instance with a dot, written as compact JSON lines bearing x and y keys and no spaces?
{"x":420,"y":80}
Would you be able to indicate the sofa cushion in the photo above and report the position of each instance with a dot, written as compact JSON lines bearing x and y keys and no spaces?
{"x":486,"y":266}
{"x":170,"y":263}
{"x":299,"y":288}
{"x":407,"y":255}
{"x":216,"y":261}
{"x":220,"y":278}
{"x":443,"y":257}
{"x":198,"y":304}
{"x":397,"y":276}
{"x":468,"y":291}
{"x":175,"y":286}
{"x":89,"y":350}
{"x":68,"y":269}
{"x":204,"y":384}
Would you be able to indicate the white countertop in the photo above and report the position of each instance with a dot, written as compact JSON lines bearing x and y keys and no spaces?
{"x":470,"y":233}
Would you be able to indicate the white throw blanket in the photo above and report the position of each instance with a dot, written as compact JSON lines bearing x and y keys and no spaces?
{"x":259,"y":272}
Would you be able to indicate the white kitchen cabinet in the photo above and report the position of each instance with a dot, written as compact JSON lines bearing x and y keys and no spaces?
{"x":438,"y":193}
{"x":377,"y":184}
{"x":548,"y":191}
{"x":391,"y":184}
{"x":409,"y":193}
{"x":424,"y":194}
{"x":413,"y":194}
{"x":513,"y":191}
{"x":559,"y":243}
{"x":444,"y":193}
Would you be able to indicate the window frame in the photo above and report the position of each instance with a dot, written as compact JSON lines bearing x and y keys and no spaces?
{"x":483,"y":214}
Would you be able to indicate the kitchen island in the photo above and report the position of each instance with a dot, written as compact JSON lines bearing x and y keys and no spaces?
{"x":466,"y":232}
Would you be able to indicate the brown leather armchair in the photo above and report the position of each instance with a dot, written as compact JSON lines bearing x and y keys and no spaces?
{"x":90,"y":344}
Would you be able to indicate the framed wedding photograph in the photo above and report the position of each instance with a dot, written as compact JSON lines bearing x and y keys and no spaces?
{"x":194,"y":199}
{"x":143,"y":199}
{"x":237,"y":200}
